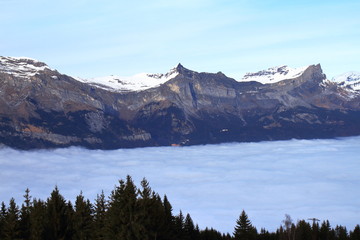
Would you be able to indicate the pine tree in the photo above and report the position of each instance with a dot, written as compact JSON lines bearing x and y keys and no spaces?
{"x":113,"y":221}
{"x":324,"y":232}
{"x":280,"y":233}
{"x":38,"y":217}
{"x":11,"y":229}
{"x":189,"y":228}
{"x":227,"y":236}
{"x":265,"y":235}
{"x":146,"y":205}
{"x":123,"y":219}
{"x":2,"y":219}
{"x":244,"y":229}
{"x":100,"y":217}
{"x":58,"y":216}
{"x":132,"y":227}
{"x":179,"y":226}
{"x":83,"y":220}
{"x":196,"y":235}
{"x":341,"y":233}
{"x":303,"y":231}
{"x":212,"y":234}
{"x":69,"y":214}
{"x":355,"y":235}
{"x":25,"y":216}
{"x":169,"y":220}
{"x":153,"y":214}
{"x":315,"y":231}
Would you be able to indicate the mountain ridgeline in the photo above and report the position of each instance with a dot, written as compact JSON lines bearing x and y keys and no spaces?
{"x":42,"y":108}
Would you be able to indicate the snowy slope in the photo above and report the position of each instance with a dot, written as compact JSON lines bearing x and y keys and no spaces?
{"x":21,"y":66}
{"x":138,"y":82}
{"x":274,"y":74}
{"x":26,"y":68}
{"x":350,"y":80}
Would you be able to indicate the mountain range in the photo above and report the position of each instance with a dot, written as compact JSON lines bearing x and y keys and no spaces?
{"x":42,"y":108}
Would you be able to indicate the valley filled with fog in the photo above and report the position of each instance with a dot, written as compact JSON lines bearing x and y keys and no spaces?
{"x":214,"y":183}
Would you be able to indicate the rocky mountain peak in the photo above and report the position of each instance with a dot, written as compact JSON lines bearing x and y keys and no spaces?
{"x":137,"y":82}
{"x":350,"y":80}
{"x":274,"y":74}
{"x":180,"y":68}
{"x":21,"y":66}
{"x":42,"y":108}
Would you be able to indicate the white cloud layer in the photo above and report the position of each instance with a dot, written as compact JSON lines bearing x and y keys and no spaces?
{"x":303,"y":178}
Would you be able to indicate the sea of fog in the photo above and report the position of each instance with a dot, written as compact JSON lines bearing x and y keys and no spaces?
{"x":214,"y":183}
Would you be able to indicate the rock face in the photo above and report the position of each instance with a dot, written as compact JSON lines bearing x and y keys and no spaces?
{"x":41,"y":108}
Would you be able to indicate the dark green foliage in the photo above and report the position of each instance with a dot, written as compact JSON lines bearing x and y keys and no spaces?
{"x":179,"y":225}
{"x":11,"y":227}
{"x":113,"y":218}
{"x":210,"y":234}
{"x":315,"y":230}
{"x":355,"y":235}
{"x":303,"y":231}
{"x":58,"y":219}
{"x":189,"y":228}
{"x":123,"y":220}
{"x":2,"y":219}
{"x":169,"y":220}
{"x":325,"y":232}
{"x":151,"y":212}
{"x":244,"y":229}
{"x":82,"y":219}
{"x":341,"y":233}
{"x":25,"y":216}
{"x":38,"y":218}
{"x":100,"y":217}
{"x":133,"y":213}
{"x":266,"y":235}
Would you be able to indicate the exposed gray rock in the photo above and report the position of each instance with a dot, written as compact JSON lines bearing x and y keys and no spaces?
{"x":96,"y":121}
{"x":39,"y":108}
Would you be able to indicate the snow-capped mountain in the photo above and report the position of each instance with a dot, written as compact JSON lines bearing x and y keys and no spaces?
{"x":143,"y":81}
{"x":138,"y":82}
{"x":274,"y":74}
{"x":22,"y":66}
{"x":41,"y":108}
{"x":25,"y":67}
{"x":350,"y":80}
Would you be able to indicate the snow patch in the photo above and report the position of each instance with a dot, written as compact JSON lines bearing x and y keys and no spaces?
{"x":138,"y":82}
{"x":274,"y":74}
{"x":22,"y":66}
{"x":25,"y":58}
{"x":349,"y":80}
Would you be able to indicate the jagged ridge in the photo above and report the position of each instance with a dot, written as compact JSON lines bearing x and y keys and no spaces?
{"x":350,"y":80}
{"x":55,"y":110}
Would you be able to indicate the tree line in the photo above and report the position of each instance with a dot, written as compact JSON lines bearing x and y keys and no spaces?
{"x":132,"y":213}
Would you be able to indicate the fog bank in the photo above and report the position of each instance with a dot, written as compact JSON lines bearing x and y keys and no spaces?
{"x":303,"y":178}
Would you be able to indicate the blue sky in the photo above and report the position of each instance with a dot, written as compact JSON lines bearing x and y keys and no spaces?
{"x":95,"y":38}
